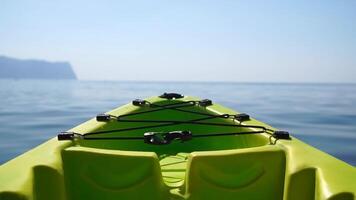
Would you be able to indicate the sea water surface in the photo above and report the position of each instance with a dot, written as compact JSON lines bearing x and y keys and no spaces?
{"x":322,"y":115}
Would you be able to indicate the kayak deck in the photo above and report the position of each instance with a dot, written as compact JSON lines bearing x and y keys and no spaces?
{"x":173,"y":158}
{"x":106,"y":162}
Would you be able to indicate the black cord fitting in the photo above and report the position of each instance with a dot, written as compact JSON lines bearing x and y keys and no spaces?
{"x":138,"y":102}
{"x":171,"y":96}
{"x":154,"y":138}
{"x":225,"y":116}
{"x":65,"y":136}
{"x":205,"y":102}
{"x":281,"y":135}
{"x":181,"y":135}
{"x":242,"y":117}
{"x":157,"y":138}
{"x":103,"y":118}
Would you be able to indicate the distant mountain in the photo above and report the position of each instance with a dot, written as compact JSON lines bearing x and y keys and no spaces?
{"x":35,"y":69}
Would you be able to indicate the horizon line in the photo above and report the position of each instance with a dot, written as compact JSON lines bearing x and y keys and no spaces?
{"x":188,"y":81}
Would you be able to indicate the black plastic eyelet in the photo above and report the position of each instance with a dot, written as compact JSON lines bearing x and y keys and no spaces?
{"x":138,"y":102}
{"x":103,"y":118}
{"x":171,"y":96}
{"x":205,"y":102}
{"x":281,"y":135}
{"x":242,"y":117}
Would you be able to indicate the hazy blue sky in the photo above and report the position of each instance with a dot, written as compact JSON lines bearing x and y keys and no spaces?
{"x":272,"y":41}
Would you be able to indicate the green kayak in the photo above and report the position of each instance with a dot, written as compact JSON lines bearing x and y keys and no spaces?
{"x":175,"y":147}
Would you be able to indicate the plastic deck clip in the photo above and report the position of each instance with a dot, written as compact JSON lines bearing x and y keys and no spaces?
{"x":178,"y":135}
{"x":154,"y":138}
{"x":242,"y":117}
{"x":171,"y":96}
{"x":205,"y":102}
{"x":158,"y":138}
{"x":138,"y":102}
{"x":65,"y":136}
{"x":103,"y":118}
{"x":281,"y":135}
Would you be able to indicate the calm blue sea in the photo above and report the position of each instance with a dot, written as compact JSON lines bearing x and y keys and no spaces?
{"x":32,"y":111}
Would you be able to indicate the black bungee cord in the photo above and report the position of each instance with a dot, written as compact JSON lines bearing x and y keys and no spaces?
{"x":166,"y":137}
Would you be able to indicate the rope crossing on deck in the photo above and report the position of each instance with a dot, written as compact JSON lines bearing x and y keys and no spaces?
{"x":166,"y":137}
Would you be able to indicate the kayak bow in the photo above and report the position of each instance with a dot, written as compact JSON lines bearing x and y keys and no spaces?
{"x":175,"y":147}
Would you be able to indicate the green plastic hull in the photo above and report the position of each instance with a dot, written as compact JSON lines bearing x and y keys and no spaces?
{"x":226,"y":167}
